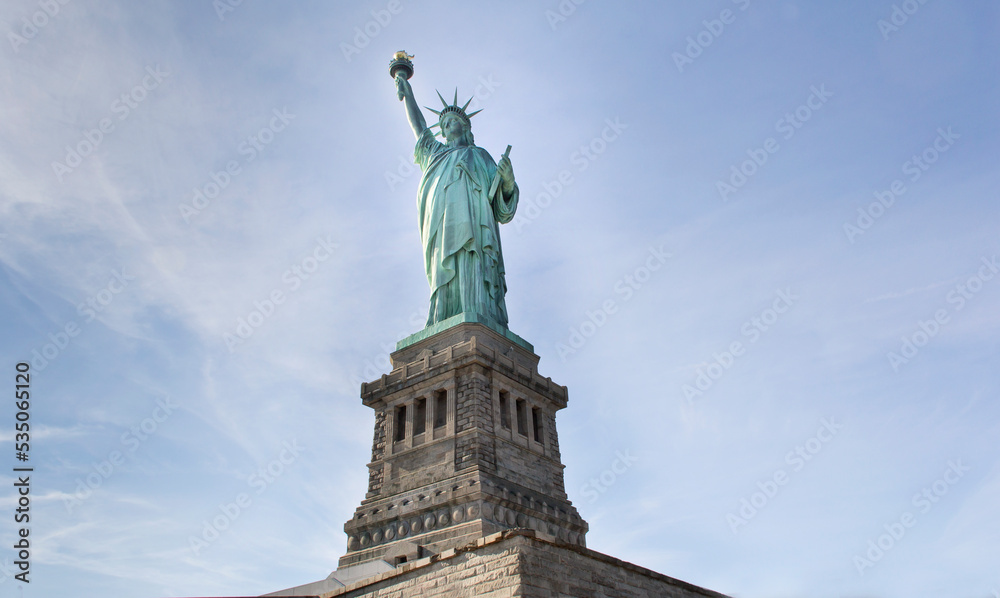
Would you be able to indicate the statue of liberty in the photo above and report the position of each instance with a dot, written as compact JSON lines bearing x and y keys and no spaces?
{"x":463,"y":197}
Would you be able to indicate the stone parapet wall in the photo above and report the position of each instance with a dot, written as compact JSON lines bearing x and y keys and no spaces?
{"x":521,"y":563}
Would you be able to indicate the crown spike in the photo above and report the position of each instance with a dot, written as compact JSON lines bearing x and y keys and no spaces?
{"x":455,"y":101}
{"x":433,"y":110}
{"x":442,"y":99}
{"x":474,"y":113}
{"x":467,"y":103}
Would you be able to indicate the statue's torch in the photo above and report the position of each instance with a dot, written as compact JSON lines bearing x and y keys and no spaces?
{"x":401,"y":63}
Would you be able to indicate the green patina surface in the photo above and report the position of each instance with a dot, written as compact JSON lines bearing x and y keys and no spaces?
{"x":461,"y":319}
{"x":463,"y":198}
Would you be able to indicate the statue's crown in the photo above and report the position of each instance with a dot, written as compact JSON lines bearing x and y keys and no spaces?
{"x":453,"y":108}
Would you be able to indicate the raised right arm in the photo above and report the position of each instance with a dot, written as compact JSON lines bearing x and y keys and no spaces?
{"x":413,"y":114}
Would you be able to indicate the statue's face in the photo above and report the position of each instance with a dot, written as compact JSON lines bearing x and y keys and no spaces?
{"x":452,"y":127}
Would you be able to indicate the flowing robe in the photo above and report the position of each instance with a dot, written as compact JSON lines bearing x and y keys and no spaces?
{"x":459,"y":229}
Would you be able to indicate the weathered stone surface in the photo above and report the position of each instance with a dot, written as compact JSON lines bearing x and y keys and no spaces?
{"x":466,"y":493}
{"x":465,"y":445}
{"x":525,"y":564}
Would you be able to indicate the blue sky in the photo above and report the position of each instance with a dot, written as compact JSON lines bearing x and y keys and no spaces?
{"x":787,"y":363}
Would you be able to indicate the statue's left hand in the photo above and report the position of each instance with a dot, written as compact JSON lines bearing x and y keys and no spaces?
{"x":506,"y":174}
{"x":403,"y":88}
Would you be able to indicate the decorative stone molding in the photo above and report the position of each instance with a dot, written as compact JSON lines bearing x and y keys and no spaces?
{"x":504,"y":513}
{"x":472,"y":348}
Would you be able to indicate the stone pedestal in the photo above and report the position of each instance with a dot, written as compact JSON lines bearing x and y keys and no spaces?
{"x":465,"y":487}
{"x":465,"y":446}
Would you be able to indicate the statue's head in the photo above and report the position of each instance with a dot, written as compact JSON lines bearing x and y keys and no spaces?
{"x":455,"y":124}
{"x":456,"y":130}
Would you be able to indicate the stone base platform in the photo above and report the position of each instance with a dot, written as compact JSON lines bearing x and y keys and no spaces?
{"x":520,"y":563}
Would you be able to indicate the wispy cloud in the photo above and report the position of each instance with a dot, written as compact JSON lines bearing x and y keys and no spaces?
{"x":323,"y":176}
